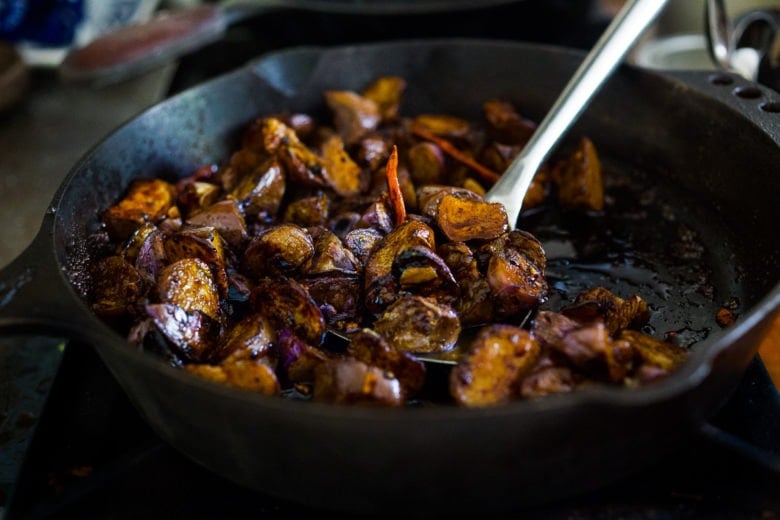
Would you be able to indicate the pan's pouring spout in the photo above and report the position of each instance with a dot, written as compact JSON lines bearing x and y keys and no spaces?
{"x":614,"y":44}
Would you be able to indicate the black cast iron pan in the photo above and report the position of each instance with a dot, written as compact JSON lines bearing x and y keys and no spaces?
{"x":713,"y":141}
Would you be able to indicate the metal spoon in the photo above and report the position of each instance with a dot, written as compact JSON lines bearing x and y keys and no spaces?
{"x":634,"y":17}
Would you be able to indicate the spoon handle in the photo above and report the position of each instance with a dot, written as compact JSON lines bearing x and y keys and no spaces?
{"x":623,"y":31}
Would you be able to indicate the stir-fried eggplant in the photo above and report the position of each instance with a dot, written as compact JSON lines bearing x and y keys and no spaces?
{"x":372,"y":225}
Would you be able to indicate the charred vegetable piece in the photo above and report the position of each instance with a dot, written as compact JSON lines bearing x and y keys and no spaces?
{"x":419,"y":325}
{"x":147,"y":200}
{"x":189,"y":285}
{"x":330,"y":254}
{"x":349,"y":381}
{"x":361,"y":242}
{"x":442,"y":125}
{"x":371,"y":348}
{"x":599,"y":303}
{"x":353,"y":115}
{"x":260,"y":192}
{"x":287,"y":305}
{"x":203,"y":243}
{"x":116,"y":287}
{"x":308,"y":211}
{"x":279,"y":250}
{"x":386,"y":92}
{"x":193,"y":333}
{"x":464,"y":158}
{"x":579,"y":180}
{"x":301,"y":164}
{"x":463,"y":219}
{"x":547,"y":378}
{"x":475,"y":304}
{"x":429,"y":198}
{"x":341,"y":172}
{"x":372,"y":151}
{"x":196,"y":196}
{"x":254,"y":375}
{"x":655,"y":352}
{"x":339,"y":297}
{"x":505,"y":125}
{"x":225,"y":217}
{"x":297,"y":358}
{"x":426,"y":163}
{"x":498,"y":358}
{"x":151,"y":257}
{"x":515,"y":279}
{"x":250,"y":338}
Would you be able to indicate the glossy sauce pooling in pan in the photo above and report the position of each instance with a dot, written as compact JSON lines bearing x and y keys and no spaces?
{"x":371,"y":225}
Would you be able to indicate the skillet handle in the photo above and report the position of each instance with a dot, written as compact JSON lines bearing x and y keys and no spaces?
{"x":36,"y":298}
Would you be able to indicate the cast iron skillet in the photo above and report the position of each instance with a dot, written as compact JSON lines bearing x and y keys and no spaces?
{"x":686,"y":130}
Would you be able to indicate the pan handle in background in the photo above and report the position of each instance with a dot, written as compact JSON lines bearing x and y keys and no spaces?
{"x":35,"y":296}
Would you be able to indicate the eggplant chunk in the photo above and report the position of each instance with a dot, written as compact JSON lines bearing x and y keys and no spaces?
{"x":353,"y":115}
{"x":203,"y":243}
{"x":189,"y":284}
{"x":196,"y":196}
{"x":298,"y":359}
{"x":429,"y":197}
{"x":116,"y":287}
{"x":475,"y":304}
{"x":426,"y":164}
{"x":308,"y":211}
{"x":225,"y":217}
{"x":250,"y":338}
{"x":372,"y":151}
{"x":505,"y":124}
{"x":330,"y":254}
{"x":579,"y":179}
{"x":361,"y":242}
{"x":339,"y":297}
{"x":419,"y":270}
{"x":386,"y":92}
{"x":498,"y":358}
{"x":151,"y":257}
{"x":254,"y":375}
{"x":655,"y":352}
{"x":260,"y":192}
{"x":279,"y":250}
{"x":547,"y":378}
{"x":193,"y":333}
{"x":288,"y":305}
{"x":462,"y":219}
{"x":419,"y":325}
{"x":341,"y":173}
{"x":132,"y":246}
{"x":443,"y":125}
{"x":617,"y":314}
{"x":147,"y":200}
{"x":349,"y":381}
{"x":301,"y":164}
{"x":371,"y":348}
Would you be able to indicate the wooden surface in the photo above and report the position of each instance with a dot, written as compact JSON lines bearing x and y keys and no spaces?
{"x":770,"y":352}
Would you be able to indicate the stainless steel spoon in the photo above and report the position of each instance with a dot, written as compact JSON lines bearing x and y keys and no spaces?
{"x":634,"y":17}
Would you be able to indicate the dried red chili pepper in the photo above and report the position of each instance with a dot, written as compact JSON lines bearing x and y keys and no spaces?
{"x":394,"y":188}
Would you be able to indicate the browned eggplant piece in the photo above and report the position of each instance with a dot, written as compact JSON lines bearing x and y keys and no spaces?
{"x":429,"y":197}
{"x":254,"y":375}
{"x":598,"y":303}
{"x":588,"y":347}
{"x":339,"y":297}
{"x":386,"y":92}
{"x":547,"y":378}
{"x":377,"y":216}
{"x":361,"y":242}
{"x":372,"y":151}
{"x":287,"y":305}
{"x":515,"y":279}
{"x":302,"y":165}
{"x":419,"y":325}
{"x":279,"y":250}
{"x":130,"y":249}
{"x":353,"y":115}
{"x":204,"y":243}
{"x":349,"y":381}
{"x":499,"y":357}
{"x":330,"y":254}
{"x":309,"y":211}
{"x":579,"y":179}
{"x":196,"y":196}
{"x":372,"y":349}
{"x":499,"y":156}
{"x":505,"y":124}
{"x":254,"y":138}
{"x":250,"y":338}
{"x":243,"y":162}
{"x":443,"y":125}
{"x":421,"y":271}
{"x":188,"y":283}
{"x":655,"y":352}
{"x":426,"y":163}
{"x":151,"y":257}
{"x":225,"y":217}
{"x":260,"y":192}
{"x":475,"y":304}
{"x":341,"y":173}
{"x":298,"y":359}
{"x":193,"y":333}
{"x":380,"y":284}
{"x":462,"y":219}
{"x":474,"y":186}
{"x":147,"y":200}
{"x":116,"y":287}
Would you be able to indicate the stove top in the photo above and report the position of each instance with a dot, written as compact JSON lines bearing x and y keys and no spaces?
{"x":92,"y":455}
